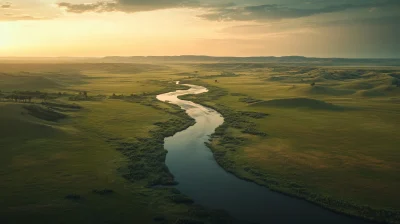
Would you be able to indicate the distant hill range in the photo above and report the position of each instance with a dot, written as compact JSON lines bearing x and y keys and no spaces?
{"x":210,"y":59}
{"x":284,"y":59}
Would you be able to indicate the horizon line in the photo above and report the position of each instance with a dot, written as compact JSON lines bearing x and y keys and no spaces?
{"x":209,"y":56}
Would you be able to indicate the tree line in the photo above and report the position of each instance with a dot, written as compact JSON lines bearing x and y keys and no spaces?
{"x":28,"y":96}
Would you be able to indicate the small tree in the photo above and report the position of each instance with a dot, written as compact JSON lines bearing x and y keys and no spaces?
{"x":396,"y":82}
{"x":312,"y":84}
{"x":44,"y":97}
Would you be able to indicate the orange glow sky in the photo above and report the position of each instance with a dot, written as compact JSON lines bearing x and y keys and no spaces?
{"x":351,"y":28}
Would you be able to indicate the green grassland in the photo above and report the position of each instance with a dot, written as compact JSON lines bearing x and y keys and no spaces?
{"x":87,"y":147}
{"x":93,"y":159}
{"x":335,"y":143}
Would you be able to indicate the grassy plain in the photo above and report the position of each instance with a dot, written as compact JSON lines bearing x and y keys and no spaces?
{"x":100,"y":162}
{"x":335,"y":143}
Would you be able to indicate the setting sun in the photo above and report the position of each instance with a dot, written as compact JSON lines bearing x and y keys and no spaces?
{"x":5,"y":37}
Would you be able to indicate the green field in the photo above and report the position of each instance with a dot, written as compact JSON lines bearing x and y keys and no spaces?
{"x":335,"y":142}
{"x":331,"y":136}
{"x":95,"y":159}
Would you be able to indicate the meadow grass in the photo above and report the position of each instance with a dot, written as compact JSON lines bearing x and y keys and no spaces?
{"x":58,"y":154}
{"x":332,"y":146}
{"x":334,"y":143}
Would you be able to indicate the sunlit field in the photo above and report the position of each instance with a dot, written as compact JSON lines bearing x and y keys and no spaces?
{"x":83,"y":141}
{"x":331,"y":135}
{"x":55,"y":158}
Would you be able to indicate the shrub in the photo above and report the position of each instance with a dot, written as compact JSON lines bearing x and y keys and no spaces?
{"x":188,"y":221}
{"x":73,"y":197}
{"x":103,"y":192}
{"x":159,"y":218}
{"x":44,"y":113}
{"x":181,"y":199}
{"x":62,"y":105}
{"x":396,"y":82}
{"x":249,"y":100}
{"x":256,"y":115}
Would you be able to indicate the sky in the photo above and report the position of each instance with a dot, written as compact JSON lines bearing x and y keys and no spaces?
{"x":96,"y":28}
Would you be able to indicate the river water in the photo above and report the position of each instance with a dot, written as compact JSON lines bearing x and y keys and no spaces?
{"x":201,"y":178}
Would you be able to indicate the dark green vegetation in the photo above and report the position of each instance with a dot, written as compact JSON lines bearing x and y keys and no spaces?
{"x":297,"y":103}
{"x":44,"y":113}
{"x":147,"y":155}
{"x":329,"y":143}
{"x":84,"y":142}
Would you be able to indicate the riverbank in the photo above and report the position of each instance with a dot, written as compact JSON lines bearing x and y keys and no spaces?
{"x":147,"y":159}
{"x":99,"y":163}
{"x":230,"y":139}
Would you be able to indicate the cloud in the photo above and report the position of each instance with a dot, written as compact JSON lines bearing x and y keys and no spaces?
{"x":94,"y":7}
{"x":23,"y":12}
{"x":267,"y":12}
{"x":387,"y":27}
{"x":378,"y":21}
{"x":129,"y":6}
{"x":12,"y":17}
{"x":233,"y":10}
{"x":5,"y":6}
{"x":272,"y":28}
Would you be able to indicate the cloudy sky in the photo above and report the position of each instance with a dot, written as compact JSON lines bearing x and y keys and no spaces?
{"x":320,"y":28}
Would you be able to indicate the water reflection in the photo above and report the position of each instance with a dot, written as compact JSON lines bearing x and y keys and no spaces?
{"x":201,"y":178}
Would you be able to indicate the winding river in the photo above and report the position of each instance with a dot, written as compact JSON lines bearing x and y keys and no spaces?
{"x":201,"y":178}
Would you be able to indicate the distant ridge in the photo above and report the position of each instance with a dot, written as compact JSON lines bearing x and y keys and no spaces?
{"x":298,"y":60}
{"x":261,"y":59}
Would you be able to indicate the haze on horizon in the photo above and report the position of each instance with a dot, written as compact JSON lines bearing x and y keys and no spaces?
{"x":95,"y":28}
